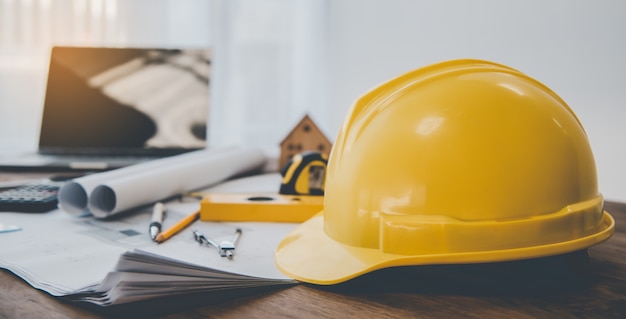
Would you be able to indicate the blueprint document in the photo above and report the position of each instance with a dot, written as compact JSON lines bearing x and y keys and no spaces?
{"x":114,"y":261}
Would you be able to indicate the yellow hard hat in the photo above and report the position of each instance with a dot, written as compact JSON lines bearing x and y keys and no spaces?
{"x":465,"y":161}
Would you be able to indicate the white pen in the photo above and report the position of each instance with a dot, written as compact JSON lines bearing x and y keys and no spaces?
{"x":158,"y":212}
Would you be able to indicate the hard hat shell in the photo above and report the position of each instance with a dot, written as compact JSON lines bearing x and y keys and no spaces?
{"x":464,"y":161}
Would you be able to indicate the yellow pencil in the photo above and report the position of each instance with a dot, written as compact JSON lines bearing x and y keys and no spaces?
{"x":163,"y":236}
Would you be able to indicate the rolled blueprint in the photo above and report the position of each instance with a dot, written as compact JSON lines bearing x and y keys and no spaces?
{"x":108,"y":193}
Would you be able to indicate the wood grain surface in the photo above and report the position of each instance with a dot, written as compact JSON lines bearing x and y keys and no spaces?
{"x":583,"y":284}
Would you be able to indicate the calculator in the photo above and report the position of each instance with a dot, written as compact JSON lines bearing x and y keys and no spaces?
{"x":31,"y":198}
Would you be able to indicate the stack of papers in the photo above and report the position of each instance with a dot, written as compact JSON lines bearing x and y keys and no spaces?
{"x":140,"y":276}
{"x":109,"y":262}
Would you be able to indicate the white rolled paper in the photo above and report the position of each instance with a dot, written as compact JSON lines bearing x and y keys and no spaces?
{"x":108,"y":193}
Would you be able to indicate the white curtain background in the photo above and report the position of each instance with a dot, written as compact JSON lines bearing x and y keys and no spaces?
{"x":270,"y":70}
{"x":29,"y":27}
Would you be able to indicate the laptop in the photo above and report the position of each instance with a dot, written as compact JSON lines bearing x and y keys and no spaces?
{"x":107,"y":108}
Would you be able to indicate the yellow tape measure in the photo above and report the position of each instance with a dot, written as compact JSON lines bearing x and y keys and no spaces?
{"x":304,"y":174}
{"x":300,"y":196}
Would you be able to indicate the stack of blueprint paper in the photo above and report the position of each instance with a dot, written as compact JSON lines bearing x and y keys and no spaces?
{"x":114,"y":261}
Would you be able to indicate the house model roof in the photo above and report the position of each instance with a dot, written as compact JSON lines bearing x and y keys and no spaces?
{"x":305,"y":136}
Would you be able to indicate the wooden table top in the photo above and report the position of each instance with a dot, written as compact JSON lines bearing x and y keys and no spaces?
{"x":584,"y":284}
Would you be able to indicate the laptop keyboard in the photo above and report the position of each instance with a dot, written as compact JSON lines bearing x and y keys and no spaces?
{"x":113,"y":153}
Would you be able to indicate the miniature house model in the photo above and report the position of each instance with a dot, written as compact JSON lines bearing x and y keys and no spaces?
{"x":305,"y":136}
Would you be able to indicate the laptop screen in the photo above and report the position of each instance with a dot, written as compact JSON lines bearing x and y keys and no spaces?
{"x":131,"y":100}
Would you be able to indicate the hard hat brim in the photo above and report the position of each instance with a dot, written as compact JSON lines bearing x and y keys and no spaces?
{"x":308,"y":254}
